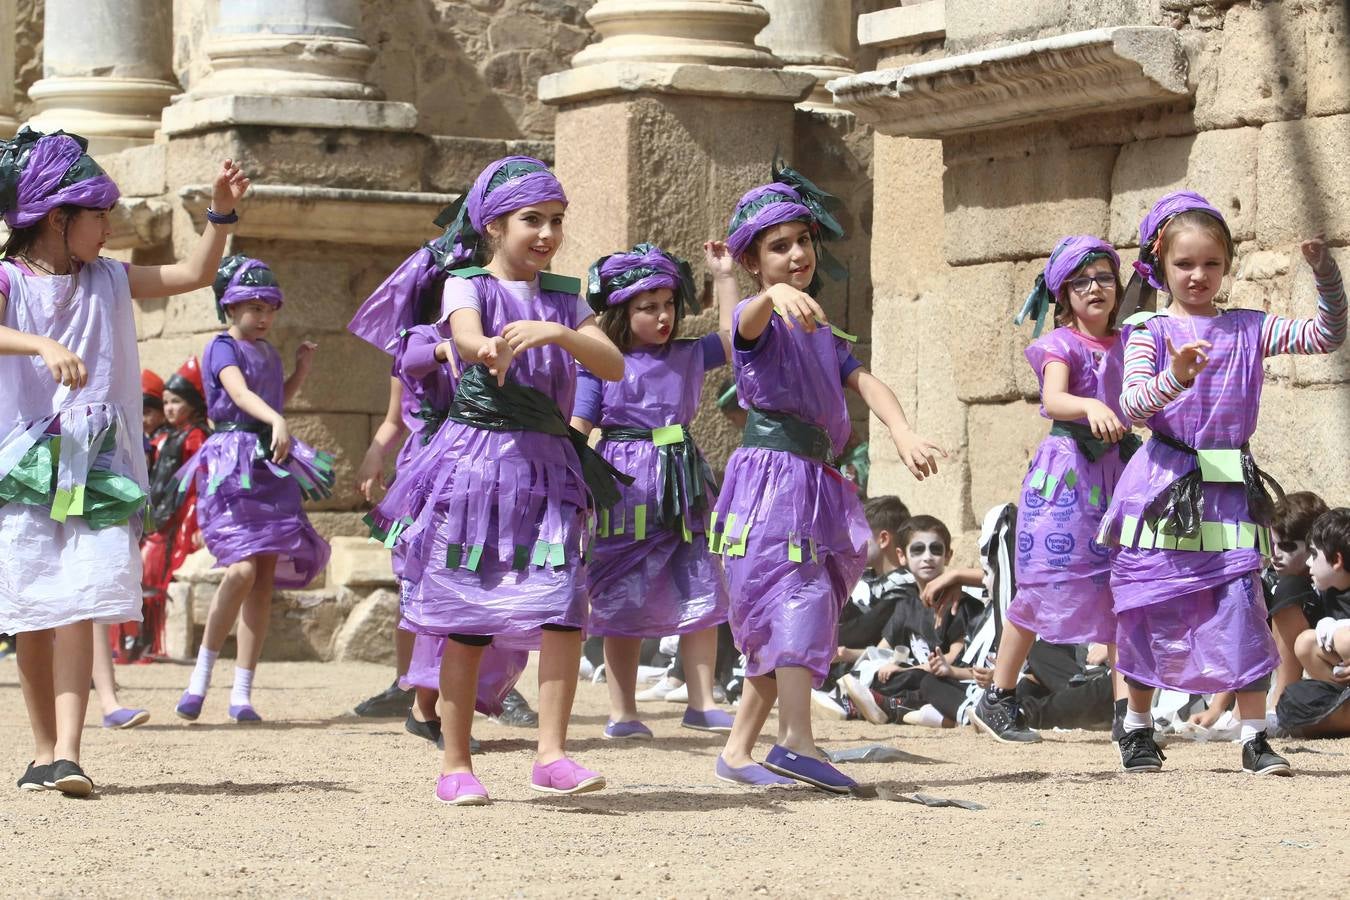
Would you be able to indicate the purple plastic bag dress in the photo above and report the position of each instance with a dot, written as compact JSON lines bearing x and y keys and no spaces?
{"x":496,"y":547}
{"x":248,"y":505}
{"x":1190,"y":613}
{"x":1063,"y":573}
{"x":791,"y":530}
{"x":428,"y":388}
{"x":646,"y":580}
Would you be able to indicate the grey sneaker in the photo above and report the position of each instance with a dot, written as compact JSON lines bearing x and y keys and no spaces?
{"x":1139,"y":752}
{"x":1002,"y":720}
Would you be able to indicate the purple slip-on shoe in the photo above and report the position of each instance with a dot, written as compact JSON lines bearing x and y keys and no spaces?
{"x":128,"y":718}
{"x":562,"y":776}
{"x":190,"y":706}
{"x":461,"y":789}
{"x":814,"y":772}
{"x":244,"y":715}
{"x":627,"y":731}
{"x":707,"y":720}
{"x":754,"y":775}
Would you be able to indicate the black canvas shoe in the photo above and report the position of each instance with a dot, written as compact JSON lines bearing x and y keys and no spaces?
{"x":35,"y":777}
{"x":1002,"y":720}
{"x":1259,"y":759}
{"x":516,"y":711}
{"x":1139,"y":752}
{"x":68,"y":778}
{"x":429,"y":730}
{"x":391,"y":703}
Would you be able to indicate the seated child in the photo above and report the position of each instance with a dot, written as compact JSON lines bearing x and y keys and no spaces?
{"x":1325,"y":649}
{"x":863,"y":619}
{"x":1290,"y":598}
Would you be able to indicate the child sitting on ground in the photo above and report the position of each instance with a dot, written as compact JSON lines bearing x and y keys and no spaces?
{"x":1325,"y":649}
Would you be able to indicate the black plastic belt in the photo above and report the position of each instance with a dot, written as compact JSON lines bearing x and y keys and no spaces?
{"x":683,"y":476}
{"x":781,"y":431}
{"x":1093,"y":447}
{"x":261,"y":429}
{"x":432,"y":420}
{"x":1181,"y":504}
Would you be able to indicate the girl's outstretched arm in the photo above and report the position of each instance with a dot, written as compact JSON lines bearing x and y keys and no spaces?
{"x":1066,"y":407}
{"x":796,"y":308}
{"x":304,"y":358}
{"x":466,"y":330}
{"x":919,"y":455}
{"x":1322,"y":334}
{"x":389,"y":433}
{"x":725,"y":288}
{"x":232,"y":380}
{"x":587,"y":343}
{"x":66,"y":368}
{"x":199,"y":269}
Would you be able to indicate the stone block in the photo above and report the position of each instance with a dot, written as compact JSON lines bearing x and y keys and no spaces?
{"x":193,"y":313}
{"x":1220,"y":165}
{"x":1028,"y":387}
{"x":251,"y":110}
{"x":1328,"y":25}
{"x":977,"y":331}
{"x":902,"y":25}
{"x":1303,"y":184}
{"x":365,"y":636}
{"x":1018,"y":208}
{"x":303,"y":626}
{"x":138,"y":171}
{"x":908,"y":220}
{"x":1253,"y":70}
{"x":346,"y":436}
{"x":348,"y":374}
{"x":975,"y":24}
{"x":1303,"y":440}
{"x":332,"y":525}
{"x":358,"y":562}
{"x":150,"y":315}
{"x":1003,"y":438}
{"x":163,"y":356}
{"x":179,"y":624}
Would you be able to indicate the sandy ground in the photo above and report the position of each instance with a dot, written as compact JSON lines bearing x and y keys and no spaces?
{"x":315,"y":802}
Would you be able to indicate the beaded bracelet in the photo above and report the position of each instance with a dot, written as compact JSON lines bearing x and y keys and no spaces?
{"x":216,"y":218}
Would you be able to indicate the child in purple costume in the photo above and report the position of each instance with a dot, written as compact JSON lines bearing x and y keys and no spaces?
{"x":497,"y":544}
{"x":251,"y":478}
{"x":1063,"y":574}
{"x":1191,"y":512}
{"x":651,"y":573}
{"x":789,"y":525}
{"x":73,"y":485}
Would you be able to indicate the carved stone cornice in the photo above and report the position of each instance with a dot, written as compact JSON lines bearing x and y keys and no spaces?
{"x":1032,"y":81}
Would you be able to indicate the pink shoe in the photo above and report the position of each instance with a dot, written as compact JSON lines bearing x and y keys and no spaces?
{"x":461,"y":789}
{"x":565,"y":777}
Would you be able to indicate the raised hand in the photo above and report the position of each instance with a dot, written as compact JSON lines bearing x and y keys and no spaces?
{"x":304,"y":355}
{"x":228,"y":188}
{"x":67,"y":368}
{"x":796,"y":307}
{"x":1315,"y":252}
{"x":1188,"y":361}
{"x":919,"y":455}
{"x":496,"y":353}
{"x":719,"y":260}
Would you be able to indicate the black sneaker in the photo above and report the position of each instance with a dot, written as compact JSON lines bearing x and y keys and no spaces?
{"x":896,"y":708}
{"x":516,"y":711}
{"x":1259,"y":759}
{"x":68,"y":778}
{"x":1118,"y":720}
{"x":391,"y":703}
{"x":1002,"y":720}
{"x":429,"y":730}
{"x":35,"y":777}
{"x":1139,"y":752}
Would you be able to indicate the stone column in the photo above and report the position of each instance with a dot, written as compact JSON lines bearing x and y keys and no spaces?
{"x":812,"y":36}
{"x":301,"y":63}
{"x":662,"y":125}
{"x":8,"y":123}
{"x":106,"y":69}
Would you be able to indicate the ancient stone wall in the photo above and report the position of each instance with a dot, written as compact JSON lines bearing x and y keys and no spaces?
{"x":962,"y":226}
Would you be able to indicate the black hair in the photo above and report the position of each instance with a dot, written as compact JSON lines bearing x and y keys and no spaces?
{"x":1330,"y":534}
{"x":1295,"y":514}
{"x":886,"y":513}
{"x":925,"y":523}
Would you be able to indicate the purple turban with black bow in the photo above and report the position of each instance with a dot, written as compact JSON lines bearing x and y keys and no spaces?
{"x":617,"y":278}
{"x":39,"y":173}
{"x":241,"y":278}
{"x":1149,"y":265}
{"x":1069,"y":255}
{"x":790,"y":197}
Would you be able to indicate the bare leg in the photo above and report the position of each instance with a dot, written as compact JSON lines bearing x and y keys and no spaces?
{"x":1013,"y":648}
{"x":424,"y":710}
{"x":105,"y":680}
{"x":559,"y":659}
{"x":1118,"y":689}
{"x":1140,"y":699}
{"x":1287,"y":625}
{"x":73,"y":667}
{"x":1251,"y":704}
{"x":257,"y":613}
{"x":699,"y":651}
{"x":757,"y":701}
{"x":794,"y":711}
{"x":459,"y":684}
{"x":36,"y":650}
{"x":621,"y":665}
{"x":230,"y":595}
{"x":403,"y":650}
{"x":1318,"y":663}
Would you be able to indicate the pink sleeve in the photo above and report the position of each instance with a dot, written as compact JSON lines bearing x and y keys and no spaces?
{"x":459,"y":293}
{"x":4,"y":281}
{"x":582,"y":312}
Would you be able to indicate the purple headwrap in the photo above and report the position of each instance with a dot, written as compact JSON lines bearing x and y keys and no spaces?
{"x":241,"y":278}
{"x":1149,"y":277}
{"x":790,"y":197}
{"x":1069,"y":255}
{"x":617,"y":278}
{"x":39,"y":173}
{"x":502,"y":187}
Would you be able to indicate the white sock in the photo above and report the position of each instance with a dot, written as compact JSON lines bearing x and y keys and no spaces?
{"x":930,"y":716}
{"x":1137,"y":720}
{"x":201,"y":673}
{"x":1251,"y":728}
{"x":242,"y":692}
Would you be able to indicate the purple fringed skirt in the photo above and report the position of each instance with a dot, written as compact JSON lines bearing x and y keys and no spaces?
{"x":1063,"y":573}
{"x":1210,"y":640}
{"x":794,"y":543}
{"x":248,"y":506}
{"x":496,"y":546}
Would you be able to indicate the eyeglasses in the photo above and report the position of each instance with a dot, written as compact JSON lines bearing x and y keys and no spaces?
{"x":937,"y":548}
{"x":1289,"y":546}
{"x":1106,"y":281}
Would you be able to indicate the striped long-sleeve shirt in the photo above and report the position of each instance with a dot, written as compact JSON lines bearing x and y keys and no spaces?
{"x":1147,"y":390}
